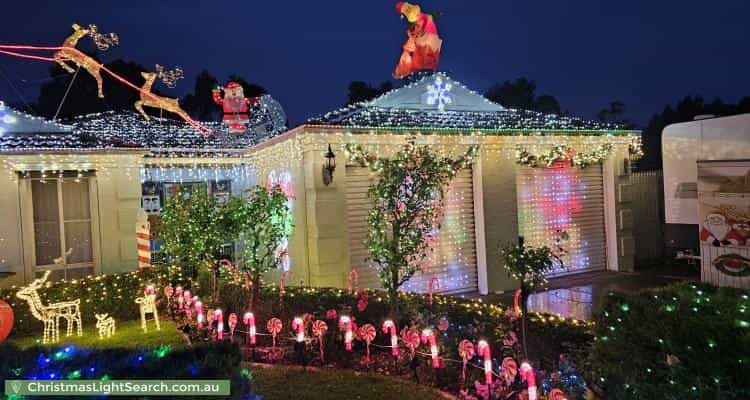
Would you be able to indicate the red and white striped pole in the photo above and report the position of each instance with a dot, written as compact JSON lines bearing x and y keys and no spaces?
{"x":143,"y":239}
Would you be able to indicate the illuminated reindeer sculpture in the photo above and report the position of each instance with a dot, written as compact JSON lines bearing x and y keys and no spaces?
{"x":149,"y":99}
{"x":68,"y":53}
{"x":50,"y":314}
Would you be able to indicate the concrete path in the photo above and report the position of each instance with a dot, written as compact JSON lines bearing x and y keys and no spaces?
{"x":578,"y":296}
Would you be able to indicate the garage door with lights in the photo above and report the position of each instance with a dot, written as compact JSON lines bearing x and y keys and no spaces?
{"x":564,"y":199}
{"x":453,"y":259}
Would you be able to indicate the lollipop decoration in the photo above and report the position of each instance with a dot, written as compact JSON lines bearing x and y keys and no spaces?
{"x":274,"y":326}
{"x":353,"y":282}
{"x":557,"y":394}
{"x":483,"y":350}
{"x":428,"y":337}
{"x":411,"y":339}
{"x":510,"y":370}
{"x":528,"y":374}
{"x":232,"y":320}
{"x":466,"y":351}
{"x":434,"y":284}
{"x":319,"y":329}
{"x":284,"y":275}
{"x":298,"y":324}
{"x":367,"y":333}
{"x":345,"y":325}
{"x":390,"y":326}
{"x":249,"y":320}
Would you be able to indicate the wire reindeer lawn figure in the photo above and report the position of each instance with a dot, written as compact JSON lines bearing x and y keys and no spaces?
{"x":51,"y":314}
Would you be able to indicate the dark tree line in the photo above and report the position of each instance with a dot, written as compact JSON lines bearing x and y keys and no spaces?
{"x":82,"y":94}
{"x":685,"y":110}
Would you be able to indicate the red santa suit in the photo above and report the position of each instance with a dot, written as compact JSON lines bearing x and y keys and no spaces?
{"x":235,"y":106}
{"x":714,"y":230}
{"x":422,"y":48}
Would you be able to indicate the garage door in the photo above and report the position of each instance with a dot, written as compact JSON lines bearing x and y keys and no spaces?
{"x":566,"y":199}
{"x":453,"y":259}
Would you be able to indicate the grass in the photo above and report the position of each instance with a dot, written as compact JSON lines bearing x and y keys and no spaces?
{"x":284,"y":383}
{"x":128,"y":335}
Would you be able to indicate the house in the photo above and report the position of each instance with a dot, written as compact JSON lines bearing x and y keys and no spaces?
{"x":498,"y":199}
{"x":71,"y":192}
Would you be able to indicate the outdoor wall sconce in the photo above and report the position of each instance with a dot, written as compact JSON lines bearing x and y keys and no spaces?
{"x":329,"y":166}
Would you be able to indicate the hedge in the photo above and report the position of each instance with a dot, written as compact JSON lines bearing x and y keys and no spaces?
{"x":204,"y":361}
{"x":687,"y":341}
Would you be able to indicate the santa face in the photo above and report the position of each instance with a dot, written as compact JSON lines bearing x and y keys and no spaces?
{"x":235,"y":92}
{"x":715,"y":227}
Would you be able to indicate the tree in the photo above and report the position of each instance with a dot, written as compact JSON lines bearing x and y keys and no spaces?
{"x":613,"y":113}
{"x":265,"y":223}
{"x":82,"y":96}
{"x":528,"y":265}
{"x":190,"y":230}
{"x":362,"y":91}
{"x":407,"y":203}
{"x":200,"y":104}
{"x":521,"y":94}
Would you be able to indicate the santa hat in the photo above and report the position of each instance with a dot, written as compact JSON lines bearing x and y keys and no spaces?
{"x":232,"y":85}
{"x":399,"y":6}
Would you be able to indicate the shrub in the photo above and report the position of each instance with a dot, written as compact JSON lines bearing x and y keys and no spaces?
{"x":688,"y":341}
{"x":206,"y":361}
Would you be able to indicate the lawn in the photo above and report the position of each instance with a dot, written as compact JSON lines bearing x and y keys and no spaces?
{"x":127,"y":336}
{"x":287,"y":383}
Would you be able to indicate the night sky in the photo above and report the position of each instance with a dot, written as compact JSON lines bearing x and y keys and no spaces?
{"x":586,"y":53}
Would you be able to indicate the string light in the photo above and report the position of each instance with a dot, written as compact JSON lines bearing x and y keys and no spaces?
{"x":106,"y":325}
{"x":51,"y":313}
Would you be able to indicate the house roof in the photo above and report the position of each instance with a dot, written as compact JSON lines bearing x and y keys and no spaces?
{"x":128,"y":130}
{"x":437,"y":101}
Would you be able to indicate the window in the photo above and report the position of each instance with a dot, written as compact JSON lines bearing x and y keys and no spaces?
{"x":62,"y":226}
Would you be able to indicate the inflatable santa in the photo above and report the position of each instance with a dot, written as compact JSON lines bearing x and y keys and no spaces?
{"x":235,"y":106}
{"x":422,"y":46}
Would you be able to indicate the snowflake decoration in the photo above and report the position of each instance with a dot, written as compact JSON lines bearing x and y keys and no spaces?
{"x":439,"y":94}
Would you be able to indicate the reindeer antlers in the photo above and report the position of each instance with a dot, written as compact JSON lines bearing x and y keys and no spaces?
{"x":103,"y":41}
{"x":170,"y":77}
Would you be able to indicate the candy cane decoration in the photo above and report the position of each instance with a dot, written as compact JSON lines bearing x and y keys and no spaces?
{"x":199,"y":313}
{"x":345,"y":325}
{"x":232,"y":324}
{"x":466,"y":351}
{"x":411,"y":339}
{"x":298,"y":324}
{"x":188,"y":300}
{"x":249,"y":320}
{"x":434,"y":284}
{"x":219,"y":318}
{"x":274,"y":326}
{"x":143,"y":239}
{"x":483,"y":350}
{"x":428,"y":337}
{"x":319,"y":329}
{"x":389,"y":325}
{"x":517,"y":303}
{"x":367,"y":333}
{"x":232,"y":267}
{"x":178,"y":293}
{"x":353,"y":282}
{"x":528,"y":374}
{"x":168,"y":292}
{"x":283,"y":280}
